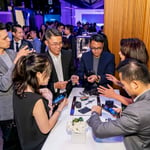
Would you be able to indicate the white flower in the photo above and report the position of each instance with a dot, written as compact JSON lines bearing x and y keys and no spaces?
{"x":77,"y":127}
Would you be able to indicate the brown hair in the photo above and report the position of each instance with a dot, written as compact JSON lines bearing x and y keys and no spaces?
{"x":25,"y":71}
{"x":134,"y":48}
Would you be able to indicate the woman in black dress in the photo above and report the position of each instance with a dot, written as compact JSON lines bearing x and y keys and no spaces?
{"x":31,"y":109}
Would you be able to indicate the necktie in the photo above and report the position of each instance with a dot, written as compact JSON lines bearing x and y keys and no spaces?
{"x":17,"y":48}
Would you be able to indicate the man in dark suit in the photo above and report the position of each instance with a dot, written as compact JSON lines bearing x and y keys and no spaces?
{"x":96,"y":63}
{"x":79,"y":28}
{"x":63,"y":68}
{"x":134,"y":123}
{"x":18,"y":42}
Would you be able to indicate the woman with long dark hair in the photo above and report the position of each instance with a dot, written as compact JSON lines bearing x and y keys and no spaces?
{"x":31,"y":109}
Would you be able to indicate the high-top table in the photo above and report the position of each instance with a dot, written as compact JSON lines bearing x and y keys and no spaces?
{"x":59,"y":139}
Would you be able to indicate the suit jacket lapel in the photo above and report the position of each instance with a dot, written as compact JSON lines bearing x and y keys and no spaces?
{"x":12,"y":44}
{"x":3,"y":64}
{"x":21,"y":44}
{"x":11,"y":56}
{"x":90,"y":60}
{"x":100,"y":63}
{"x":63,"y":64}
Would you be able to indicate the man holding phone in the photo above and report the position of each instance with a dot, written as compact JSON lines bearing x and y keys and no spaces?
{"x":134,"y":123}
{"x":96,"y":63}
{"x":18,"y":42}
{"x":63,"y":70}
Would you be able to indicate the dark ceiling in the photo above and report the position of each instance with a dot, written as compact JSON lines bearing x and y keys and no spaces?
{"x":89,"y":4}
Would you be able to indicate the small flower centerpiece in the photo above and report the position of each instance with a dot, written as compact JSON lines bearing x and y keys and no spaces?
{"x":77,"y":128}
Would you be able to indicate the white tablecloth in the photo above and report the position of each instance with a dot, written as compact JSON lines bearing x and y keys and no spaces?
{"x":59,"y":139}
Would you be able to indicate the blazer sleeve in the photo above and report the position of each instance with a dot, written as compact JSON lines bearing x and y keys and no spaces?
{"x":29,"y":44}
{"x":6,"y":79}
{"x":109,"y":69}
{"x":81,"y":69}
{"x":126,"y":125}
{"x":25,"y":42}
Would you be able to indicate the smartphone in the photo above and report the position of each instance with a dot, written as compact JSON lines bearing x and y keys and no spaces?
{"x":109,"y":103}
{"x":84,"y":110}
{"x":73,"y":106}
{"x":59,"y":98}
{"x":23,"y":45}
{"x":110,"y":110}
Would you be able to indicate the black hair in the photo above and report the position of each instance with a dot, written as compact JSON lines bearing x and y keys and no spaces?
{"x":9,"y":26}
{"x":59,"y":25}
{"x":2,"y":26}
{"x":52,"y":32}
{"x":14,"y":27}
{"x":25,"y":71}
{"x":97,"y":38}
{"x":135,"y":70}
{"x":106,"y":46}
{"x":69,"y":27}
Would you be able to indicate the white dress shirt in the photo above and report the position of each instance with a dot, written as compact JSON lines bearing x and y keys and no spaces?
{"x":58,"y":67}
{"x":19,"y":44}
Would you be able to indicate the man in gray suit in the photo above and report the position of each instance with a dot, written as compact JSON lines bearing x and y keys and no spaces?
{"x":8,"y":59}
{"x":134,"y":123}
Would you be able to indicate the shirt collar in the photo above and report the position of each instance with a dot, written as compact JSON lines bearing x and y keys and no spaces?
{"x":54,"y":56}
{"x":135,"y":99}
{"x":19,"y":42}
{"x":68,"y":36}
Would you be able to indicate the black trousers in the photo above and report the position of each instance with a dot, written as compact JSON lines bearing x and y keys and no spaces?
{"x":10,"y":135}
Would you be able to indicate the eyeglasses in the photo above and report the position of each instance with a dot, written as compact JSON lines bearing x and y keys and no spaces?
{"x":96,"y":48}
{"x":56,"y":44}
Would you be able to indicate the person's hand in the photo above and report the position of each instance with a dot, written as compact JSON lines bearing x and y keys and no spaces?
{"x":113,"y":79}
{"x":60,"y":85}
{"x":22,"y":52}
{"x":75,"y":79}
{"x":63,"y":104}
{"x":118,"y":110}
{"x":108,"y":92}
{"x":92,"y":78}
{"x":97,"y":109}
